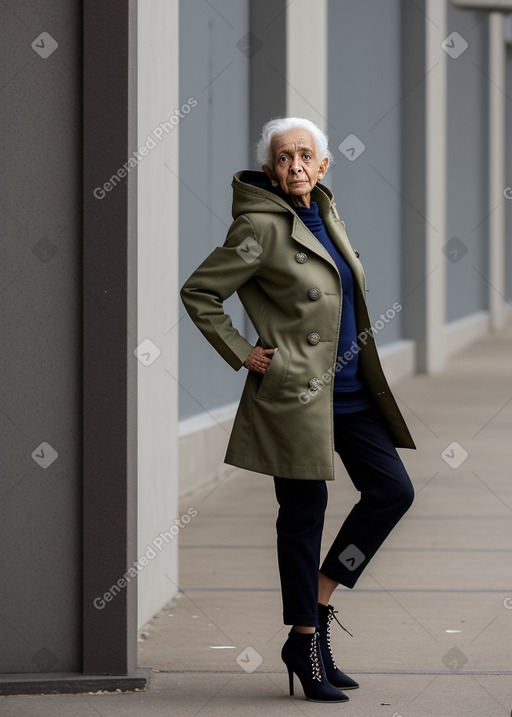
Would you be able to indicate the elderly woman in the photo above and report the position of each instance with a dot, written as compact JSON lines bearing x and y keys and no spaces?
{"x":314,"y":384}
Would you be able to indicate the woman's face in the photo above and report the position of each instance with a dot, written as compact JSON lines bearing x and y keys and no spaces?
{"x":297,"y":167}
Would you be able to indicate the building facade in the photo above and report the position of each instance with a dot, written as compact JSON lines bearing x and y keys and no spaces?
{"x":116,"y":185}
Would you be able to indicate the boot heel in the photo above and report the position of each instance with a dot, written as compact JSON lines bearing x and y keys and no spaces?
{"x":290,"y":680}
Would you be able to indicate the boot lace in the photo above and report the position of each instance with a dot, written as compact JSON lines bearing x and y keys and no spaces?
{"x":331,"y":615}
{"x":314,"y":655}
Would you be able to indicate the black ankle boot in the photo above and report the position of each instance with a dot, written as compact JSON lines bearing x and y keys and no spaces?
{"x":326,"y":614}
{"x":301,"y":654}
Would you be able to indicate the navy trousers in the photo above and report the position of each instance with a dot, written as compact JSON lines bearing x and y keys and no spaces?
{"x":376,"y":470}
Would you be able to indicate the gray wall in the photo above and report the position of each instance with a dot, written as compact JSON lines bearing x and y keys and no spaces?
{"x":214,"y":144}
{"x":467,"y":168}
{"x":363,"y":93}
{"x":40,"y":286}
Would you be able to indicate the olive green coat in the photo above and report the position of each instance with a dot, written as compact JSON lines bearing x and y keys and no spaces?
{"x":284,"y":422}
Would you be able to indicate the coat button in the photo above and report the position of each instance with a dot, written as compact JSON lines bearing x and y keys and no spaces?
{"x":314,"y":383}
{"x":314,"y":338}
{"x":356,"y":253}
{"x":301,"y":258}
{"x":314,"y":294}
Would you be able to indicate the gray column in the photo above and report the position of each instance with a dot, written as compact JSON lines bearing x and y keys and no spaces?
{"x":160,"y":114}
{"x":109,"y":329}
{"x":266,"y":46}
{"x":507,"y":190}
{"x":306,"y":87}
{"x":424,"y":178}
{"x":497,"y":164}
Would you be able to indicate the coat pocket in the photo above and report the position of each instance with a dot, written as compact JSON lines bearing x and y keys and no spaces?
{"x":274,"y":377}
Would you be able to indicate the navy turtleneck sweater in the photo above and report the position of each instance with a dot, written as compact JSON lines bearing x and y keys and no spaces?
{"x":349,"y":392}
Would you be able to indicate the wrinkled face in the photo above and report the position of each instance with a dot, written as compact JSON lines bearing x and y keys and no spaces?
{"x":297,"y":167}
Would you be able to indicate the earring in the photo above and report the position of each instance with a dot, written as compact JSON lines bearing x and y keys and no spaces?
{"x":273,"y":183}
{"x":320,"y":176}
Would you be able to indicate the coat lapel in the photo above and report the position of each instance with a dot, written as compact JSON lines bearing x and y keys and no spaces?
{"x":338,"y":237}
{"x":301,"y":233}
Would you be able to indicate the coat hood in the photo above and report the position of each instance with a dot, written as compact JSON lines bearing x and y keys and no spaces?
{"x":253,"y":192}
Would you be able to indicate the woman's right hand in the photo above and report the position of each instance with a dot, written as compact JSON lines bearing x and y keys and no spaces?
{"x":258,"y":360}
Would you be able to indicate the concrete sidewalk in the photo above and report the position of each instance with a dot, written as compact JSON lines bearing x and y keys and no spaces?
{"x":431,"y":616}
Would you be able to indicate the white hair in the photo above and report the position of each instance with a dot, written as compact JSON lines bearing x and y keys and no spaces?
{"x":278,"y":126}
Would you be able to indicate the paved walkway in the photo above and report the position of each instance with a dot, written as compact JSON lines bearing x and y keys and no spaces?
{"x":431,"y":616}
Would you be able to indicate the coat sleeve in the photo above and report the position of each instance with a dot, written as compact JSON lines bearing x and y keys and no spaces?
{"x":214,"y":281}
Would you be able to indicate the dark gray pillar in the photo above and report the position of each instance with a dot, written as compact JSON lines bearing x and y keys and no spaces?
{"x":40,"y":319}
{"x":508,"y":175}
{"x":266,"y":47}
{"x":109,"y":331}
{"x":413,"y":123}
{"x":69,"y":410}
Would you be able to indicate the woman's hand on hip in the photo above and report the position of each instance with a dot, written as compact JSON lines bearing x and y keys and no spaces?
{"x":259,"y":359}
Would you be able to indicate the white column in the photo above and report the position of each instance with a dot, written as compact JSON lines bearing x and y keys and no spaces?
{"x":497,"y":170}
{"x":435,"y":232}
{"x":158,"y":100}
{"x":306,"y":69}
